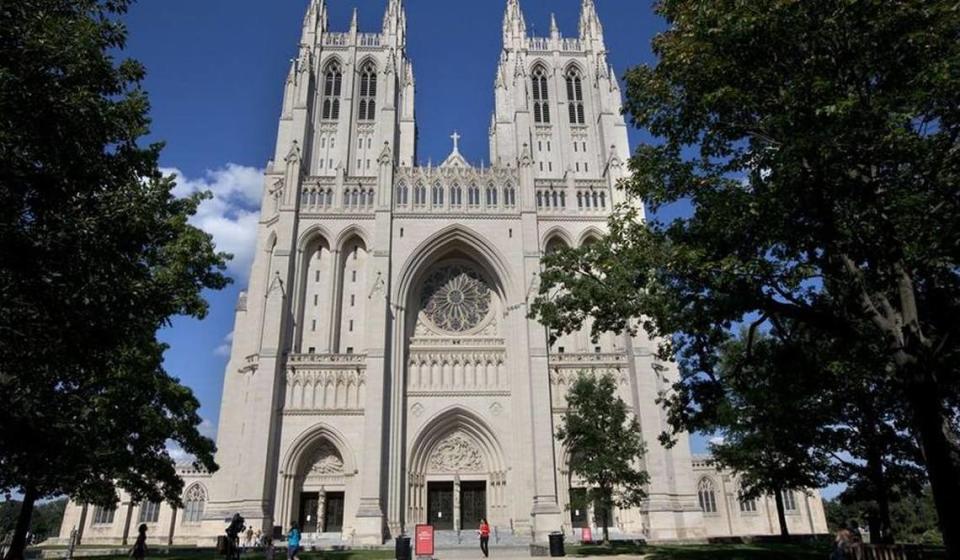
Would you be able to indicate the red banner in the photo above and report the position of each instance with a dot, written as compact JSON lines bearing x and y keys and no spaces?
{"x":586,"y":535}
{"x":423,"y":540}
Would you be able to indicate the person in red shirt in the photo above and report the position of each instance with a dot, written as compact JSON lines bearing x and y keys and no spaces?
{"x":484,"y":532}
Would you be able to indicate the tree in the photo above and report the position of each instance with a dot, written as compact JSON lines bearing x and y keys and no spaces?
{"x":770,"y":417}
{"x":605,"y":445}
{"x":96,"y":256}
{"x":816,"y":147}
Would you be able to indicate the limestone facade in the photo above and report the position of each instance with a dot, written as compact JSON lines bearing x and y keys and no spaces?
{"x":384,"y":371}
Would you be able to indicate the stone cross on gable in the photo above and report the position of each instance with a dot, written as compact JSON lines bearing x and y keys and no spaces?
{"x":456,"y":140}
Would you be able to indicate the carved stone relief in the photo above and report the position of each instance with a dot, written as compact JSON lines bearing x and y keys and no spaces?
{"x":456,"y":453}
{"x":327,"y":461}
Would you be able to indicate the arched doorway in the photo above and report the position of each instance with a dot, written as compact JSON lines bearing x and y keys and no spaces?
{"x":457,"y":473}
{"x":318,"y":481}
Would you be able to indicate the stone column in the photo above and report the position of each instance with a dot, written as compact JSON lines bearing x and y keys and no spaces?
{"x":456,"y":504}
{"x":374,"y":483}
{"x":321,"y":509}
{"x":545,"y":509}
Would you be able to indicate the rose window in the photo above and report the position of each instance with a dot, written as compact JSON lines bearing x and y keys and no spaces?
{"x":455,"y":298}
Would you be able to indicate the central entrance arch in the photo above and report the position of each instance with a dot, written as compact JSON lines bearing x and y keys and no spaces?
{"x":453,"y":293}
{"x":457,"y":472}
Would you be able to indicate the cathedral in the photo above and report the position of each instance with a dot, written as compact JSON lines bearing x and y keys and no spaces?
{"x":384,"y":370}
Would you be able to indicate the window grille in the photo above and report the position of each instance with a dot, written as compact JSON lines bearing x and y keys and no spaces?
{"x":575,"y":97}
{"x":541,"y":96}
{"x":332,"y":85}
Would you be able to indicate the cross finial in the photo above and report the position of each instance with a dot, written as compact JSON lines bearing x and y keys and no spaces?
{"x":456,"y":140}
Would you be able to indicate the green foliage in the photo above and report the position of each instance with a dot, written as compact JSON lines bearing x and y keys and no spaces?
{"x":816,"y":146}
{"x":605,"y":444}
{"x":46,"y":521}
{"x":96,"y":256}
{"x":914,"y":516}
{"x":770,"y":412}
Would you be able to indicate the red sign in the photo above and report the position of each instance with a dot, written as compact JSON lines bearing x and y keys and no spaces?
{"x":586,"y":535}
{"x":423,"y":539}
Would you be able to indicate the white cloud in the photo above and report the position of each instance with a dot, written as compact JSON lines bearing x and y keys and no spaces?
{"x":232,"y":214}
{"x":717,"y":440}
{"x":224,"y":349}
{"x":177,"y":453}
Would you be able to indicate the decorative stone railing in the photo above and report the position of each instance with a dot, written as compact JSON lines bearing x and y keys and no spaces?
{"x":336,"y":39}
{"x":445,"y":370}
{"x":539,"y":44}
{"x":588,"y":360}
{"x":369,"y":40}
{"x":327,"y":360}
{"x":565,"y":369}
{"x":570,"y":44}
{"x":326,"y":382}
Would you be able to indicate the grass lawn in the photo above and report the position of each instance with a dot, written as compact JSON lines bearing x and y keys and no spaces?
{"x":281,"y":554}
{"x":721,"y":551}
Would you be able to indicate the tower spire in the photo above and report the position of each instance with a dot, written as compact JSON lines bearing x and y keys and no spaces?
{"x":354,"y":22}
{"x":395,"y":22}
{"x":554,"y":29}
{"x":514,"y":25}
{"x":590,"y":26}
{"x":314,"y":22}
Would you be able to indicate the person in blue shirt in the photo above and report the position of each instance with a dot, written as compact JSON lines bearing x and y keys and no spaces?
{"x":293,"y":543}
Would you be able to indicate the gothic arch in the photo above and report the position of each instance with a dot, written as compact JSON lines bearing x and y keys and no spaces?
{"x":329,"y":61}
{"x":347,"y":234}
{"x":305,"y":442}
{"x":556,"y":233}
{"x":449,"y":240}
{"x":367,"y":59}
{"x":575,"y":66}
{"x":450,"y":421}
{"x":311,"y":234}
{"x":589,"y":234}
{"x":540,"y":63}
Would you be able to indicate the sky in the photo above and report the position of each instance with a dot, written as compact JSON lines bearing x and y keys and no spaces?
{"x":216,"y":70}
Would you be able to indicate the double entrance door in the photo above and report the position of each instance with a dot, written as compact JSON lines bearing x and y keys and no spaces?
{"x":441,"y":504}
{"x":332,"y":521}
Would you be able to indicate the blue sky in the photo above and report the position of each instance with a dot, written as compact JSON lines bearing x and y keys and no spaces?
{"x":215,"y":74}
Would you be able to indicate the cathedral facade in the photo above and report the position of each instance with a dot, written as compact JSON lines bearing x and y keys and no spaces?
{"x":384,"y":369}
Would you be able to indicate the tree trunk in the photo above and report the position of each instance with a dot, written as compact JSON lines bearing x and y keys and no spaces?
{"x":782,"y":516}
{"x":942,"y":470}
{"x":880,"y":525}
{"x":19,"y":542}
{"x":604,"y":515}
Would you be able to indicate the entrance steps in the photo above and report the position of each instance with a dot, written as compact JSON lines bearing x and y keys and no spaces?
{"x":468,"y":540}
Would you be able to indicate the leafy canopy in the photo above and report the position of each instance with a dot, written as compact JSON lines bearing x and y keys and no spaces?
{"x":604,"y":443}
{"x":96,"y":256}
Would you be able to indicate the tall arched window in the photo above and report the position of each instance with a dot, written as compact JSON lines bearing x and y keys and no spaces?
{"x":789,"y":501}
{"x":575,"y":97}
{"x":402,"y":192}
{"x":368,"y":92}
{"x":509,"y":196}
{"x":193,"y":504}
{"x":332,"y":85}
{"x":707,"y":495}
{"x":456,"y":196}
{"x":541,"y":96}
{"x":473,"y":195}
{"x":491,"y":195}
{"x":420,"y":195}
{"x":437,"y":195}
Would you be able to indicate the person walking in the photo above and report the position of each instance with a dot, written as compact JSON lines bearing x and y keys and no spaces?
{"x":293,"y":543}
{"x":139,"y":549}
{"x":842,"y":545}
{"x":484,"y":533}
